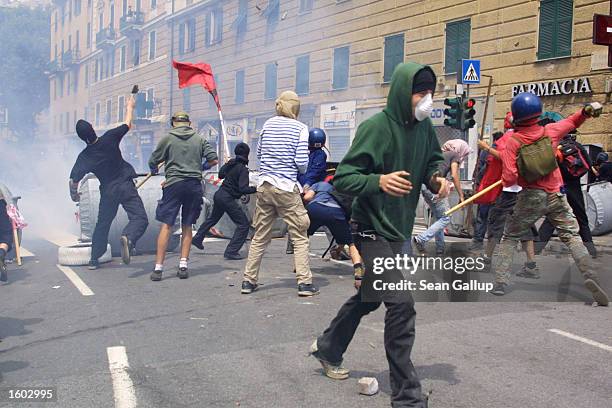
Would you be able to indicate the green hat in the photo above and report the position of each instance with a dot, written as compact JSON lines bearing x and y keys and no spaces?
{"x":181,"y":117}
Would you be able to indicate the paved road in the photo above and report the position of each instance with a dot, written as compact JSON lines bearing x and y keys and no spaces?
{"x":200,"y":343}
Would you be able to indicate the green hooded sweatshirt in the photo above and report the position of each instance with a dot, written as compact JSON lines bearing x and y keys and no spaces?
{"x":390,"y":141}
{"x":182,"y":152}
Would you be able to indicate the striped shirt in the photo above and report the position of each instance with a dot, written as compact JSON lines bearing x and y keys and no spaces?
{"x":282,"y":152}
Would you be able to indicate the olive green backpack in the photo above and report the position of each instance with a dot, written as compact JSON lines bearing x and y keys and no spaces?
{"x":535,"y":160}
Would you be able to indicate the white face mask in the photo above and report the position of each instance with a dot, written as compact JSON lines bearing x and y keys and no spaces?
{"x":424,"y":108}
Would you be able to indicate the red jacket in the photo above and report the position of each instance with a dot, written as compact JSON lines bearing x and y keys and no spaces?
{"x":529,"y":134}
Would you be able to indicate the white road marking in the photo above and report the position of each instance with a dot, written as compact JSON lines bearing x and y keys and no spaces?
{"x":25,"y":253}
{"x":214,"y":239}
{"x":122,"y":383}
{"x":60,"y":238}
{"x":582,"y":339}
{"x":76,"y":280}
{"x":372,"y":328}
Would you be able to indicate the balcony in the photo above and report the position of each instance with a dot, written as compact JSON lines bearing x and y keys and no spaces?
{"x":131,"y":23}
{"x":105,"y":38}
{"x":70,"y":59}
{"x":53,"y":68}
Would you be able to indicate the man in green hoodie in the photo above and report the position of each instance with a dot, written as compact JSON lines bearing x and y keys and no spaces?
{"x":182,"y":152}
{"x":393,"y":154}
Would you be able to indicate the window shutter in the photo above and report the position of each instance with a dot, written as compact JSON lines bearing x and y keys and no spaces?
{"x":181,"y":38}
{"x":547,"y":37}
{"x":394,"y":55}
{"x":341,"y":68}
{"x":239,"y":87}
{"x":219,"y":25}
{"x":565,"y":12}
{"x":463,"y":47}
{"x":207,"y":29}
{"x":192,"y":35}
{"x":302,"y":75}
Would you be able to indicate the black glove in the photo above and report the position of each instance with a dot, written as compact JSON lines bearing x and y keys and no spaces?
{"x":154,"y":170}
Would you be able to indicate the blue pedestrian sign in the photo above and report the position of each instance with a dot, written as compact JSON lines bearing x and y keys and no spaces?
{"x":470,"y":71}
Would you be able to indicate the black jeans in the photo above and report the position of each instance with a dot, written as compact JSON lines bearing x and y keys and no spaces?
{"x":480,"y":227}
{"x":223,"y":203}
{"x":399,"y":335}
{"x":576,"y":201}
{"x":126,"y":195}
{"x":6,"y":227}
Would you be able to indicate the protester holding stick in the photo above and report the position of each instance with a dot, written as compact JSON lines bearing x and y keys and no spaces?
{"x":103,"y":158}
{"x":6,"y":237}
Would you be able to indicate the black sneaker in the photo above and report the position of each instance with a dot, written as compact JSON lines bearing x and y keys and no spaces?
{"x":248,"y":287}
{"x":126,"y":246}
{"x":420,"y":247}
{"x":156,"y":276}
{"x":93,"y":265}
{"x":182,"y":273}
{"x":3,"y":274}
{"x":233,"y":257}
{"x":440,"y":251}
{"x":198,"y":241}
{"x":307,"y":289}
{"x":499,"y":289}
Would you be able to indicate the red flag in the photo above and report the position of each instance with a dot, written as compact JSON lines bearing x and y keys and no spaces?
{"x":199,"y":73}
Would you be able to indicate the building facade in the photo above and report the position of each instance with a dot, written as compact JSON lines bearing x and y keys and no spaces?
{"x":337,"y":55}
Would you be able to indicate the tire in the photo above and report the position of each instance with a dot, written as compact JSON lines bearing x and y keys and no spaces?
{"x":80,"y":255}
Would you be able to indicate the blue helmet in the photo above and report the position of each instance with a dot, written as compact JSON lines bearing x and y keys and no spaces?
{"x":316,"y":138}
{"x":525,"y":106}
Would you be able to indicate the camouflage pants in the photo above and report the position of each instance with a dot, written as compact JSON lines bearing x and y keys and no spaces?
{"x":531,"y":205}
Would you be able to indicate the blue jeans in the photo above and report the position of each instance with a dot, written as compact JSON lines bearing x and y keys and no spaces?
{"x":438,"y":208}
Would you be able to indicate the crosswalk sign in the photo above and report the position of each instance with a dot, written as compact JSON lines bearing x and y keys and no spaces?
{"x":470,"y":71}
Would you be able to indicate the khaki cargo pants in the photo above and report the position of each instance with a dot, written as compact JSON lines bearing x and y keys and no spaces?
{"x":272,"y":203}
{"x":531,"y":205}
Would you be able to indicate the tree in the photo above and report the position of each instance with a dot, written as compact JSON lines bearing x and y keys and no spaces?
{"x":24,"y":58}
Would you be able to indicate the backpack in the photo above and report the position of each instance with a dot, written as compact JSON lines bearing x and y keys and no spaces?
{"x":571,"y":159}
{"x":535,"y":160}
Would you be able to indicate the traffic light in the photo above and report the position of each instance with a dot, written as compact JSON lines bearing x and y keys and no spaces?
{"x":468,"y":112}
{"x":455,"y":112}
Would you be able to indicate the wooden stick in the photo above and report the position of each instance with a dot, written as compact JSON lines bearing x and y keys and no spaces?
{"x":148,"y":176}
{"x":16,"y":242}
{"x":472,"y":198}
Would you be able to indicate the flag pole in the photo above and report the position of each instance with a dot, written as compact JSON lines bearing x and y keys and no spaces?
{"x":226,"y":150}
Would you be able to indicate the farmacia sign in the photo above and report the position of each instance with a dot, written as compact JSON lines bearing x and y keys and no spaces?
{"x":561,"y":87}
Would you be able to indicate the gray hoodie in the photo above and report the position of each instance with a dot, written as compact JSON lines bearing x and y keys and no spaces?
{"x":182,"y":151}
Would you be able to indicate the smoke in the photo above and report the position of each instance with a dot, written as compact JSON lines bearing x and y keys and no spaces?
{"x":39,"y":172}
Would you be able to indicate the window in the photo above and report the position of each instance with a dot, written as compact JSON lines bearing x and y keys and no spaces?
{"x":270,"y":92}
{"x":122,"y":55}
{"x":75,"y":81}
{"x":109,"y":106}
{"x":306,"y":5}
{"x":302,"y":75}
{"x":239,"y":95}
{"x":77,"y":7}
{"x":555,"y":38}
{"x":187,"y":36}
{"x":339,"y":142}
{"x":96,"y":71}
{"x":68,"y":84}
{"x":214,"y":26}
{"x":97,"y":114}
{"x":86,"y":113}
{"x":112,"y":62}
{"x":394,"y":54}
{"x":187,"y":99}
{"x":61,"y":87}
{"x":272,"y":12}
{"x":136,"y":52}
{"x":150,"y":103}
{"x":77,"y":45}
{"x":138,"y":5}
{"x":153,"y":4}
{"x":457,"y":44}
{"x":67,"y":116}
{"x":152,"y":45}
{"x":341,"y":68}
{"x":124,"y":7}
{"x":240,"y":24}
{"x":111,"y":22}
{"x":88,"y":35}
{"x":121,"y":109}
{"x":86,"y":76}
{"x":55,"y":22}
